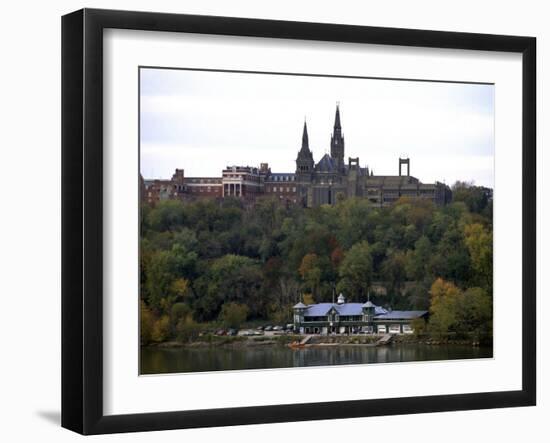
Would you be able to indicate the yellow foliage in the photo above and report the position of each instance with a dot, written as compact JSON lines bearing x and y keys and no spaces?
{"x":146,"y":322}
{"x":161,"y":329}
{"x":180,"y":287}
{"x":308,"y":299}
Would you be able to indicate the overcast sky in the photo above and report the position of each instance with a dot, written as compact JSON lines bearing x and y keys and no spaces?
{"x":203,"y":121}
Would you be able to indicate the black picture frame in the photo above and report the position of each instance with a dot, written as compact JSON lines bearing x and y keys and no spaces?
{"x":82,"y":215}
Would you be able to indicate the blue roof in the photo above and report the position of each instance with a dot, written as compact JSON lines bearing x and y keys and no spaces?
{"x":318,"y":309}
{"x":401,"y":315}
{"x":322,"y":309}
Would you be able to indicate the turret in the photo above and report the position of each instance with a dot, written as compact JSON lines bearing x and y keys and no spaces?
{"x":368,"y":311}
{"x":299,"y":310}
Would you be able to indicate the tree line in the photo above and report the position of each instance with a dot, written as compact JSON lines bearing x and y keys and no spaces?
{"x":221,"y":262}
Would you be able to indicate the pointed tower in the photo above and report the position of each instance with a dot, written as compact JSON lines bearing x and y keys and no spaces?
{"x":337,"y":142}
{"x":304,"y":162}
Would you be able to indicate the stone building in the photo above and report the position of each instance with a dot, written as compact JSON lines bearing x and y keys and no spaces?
{"x":311,"y":184}
{"x":331,"y":178}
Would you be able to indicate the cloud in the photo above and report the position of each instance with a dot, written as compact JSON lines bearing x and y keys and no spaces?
{"x":203,"y":121}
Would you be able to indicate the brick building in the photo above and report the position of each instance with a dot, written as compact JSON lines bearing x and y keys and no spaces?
{"x":311,"y":184}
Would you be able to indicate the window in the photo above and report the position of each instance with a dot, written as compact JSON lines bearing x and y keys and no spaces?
{"x":395,"y":329}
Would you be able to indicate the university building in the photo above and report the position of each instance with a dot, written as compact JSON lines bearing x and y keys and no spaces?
{"x":353,"y":318}
{"x":311,"y":184}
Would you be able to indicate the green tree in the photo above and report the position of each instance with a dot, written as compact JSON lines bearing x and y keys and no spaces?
{"x":416,"y":260}
{"x":166,"y":216}
{"x":356,"y":271}
{"x":230,"y":278}
{"x":310,"y":272}
{"x":159,"y":279}
{"x":475,"y":314}
{"x":476,"y":198}
{"x":465,"y":313}
{"x":393,"y":271}
{"x":233,"y":315}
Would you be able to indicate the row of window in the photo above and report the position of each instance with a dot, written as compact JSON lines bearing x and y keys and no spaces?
{"x":282,"y":178}
{"x":281,"y":189}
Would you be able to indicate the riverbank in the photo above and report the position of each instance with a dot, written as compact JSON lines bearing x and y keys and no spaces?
{"x":315,"y":340}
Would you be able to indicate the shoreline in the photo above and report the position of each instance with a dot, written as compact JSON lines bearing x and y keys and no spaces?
{"x":316,"y":341}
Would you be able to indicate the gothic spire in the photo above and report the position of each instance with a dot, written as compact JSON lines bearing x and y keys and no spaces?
{"x":304,"y":161}
{"x":337,"y":142}
{"x":337,"y":118}
{"x":305,"y":139}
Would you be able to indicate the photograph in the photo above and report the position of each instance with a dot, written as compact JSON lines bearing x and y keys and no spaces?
{"x":293,"y":220}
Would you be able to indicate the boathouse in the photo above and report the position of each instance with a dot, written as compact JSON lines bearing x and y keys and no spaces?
{"x":353,"y":318}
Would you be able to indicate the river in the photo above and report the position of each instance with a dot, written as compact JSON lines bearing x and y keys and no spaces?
{"x":216,"y":358}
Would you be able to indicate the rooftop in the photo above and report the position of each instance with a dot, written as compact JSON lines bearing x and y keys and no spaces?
{"x":322,"y":309}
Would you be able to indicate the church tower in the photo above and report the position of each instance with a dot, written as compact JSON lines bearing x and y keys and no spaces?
{"x":304,"y":162}
{"x":337,"y":142}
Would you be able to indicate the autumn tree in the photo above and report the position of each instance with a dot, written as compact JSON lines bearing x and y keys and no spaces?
{"x":479,"y":242}
{"x":465,"y":313}
{"x":443,"y":307}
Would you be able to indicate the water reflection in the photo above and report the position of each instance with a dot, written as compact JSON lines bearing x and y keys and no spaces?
{"x":158,"y":360}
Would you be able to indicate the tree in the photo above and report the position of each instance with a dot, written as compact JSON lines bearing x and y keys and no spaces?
{"x":310,"y":271}
{"x":356,"y":271}
{"x":476,"y":314}
{"x":467,"y":314}
{"x":188,"y":329}
{"x":146,"y":322}
{"x":476,"y":198}
{"x":393,"y":271}
{"x":179,"y":311}
{"x":230,"y":278}
{"x":416,"y":260}
{"x":308,"y":299}
{"x":443,"y":307}
{"x":161,"y":329}
{"x":233,"y":315}
{"x":479,"y":242}
{"x":180,"y":288}
{"x":159,"y":279}
{"x":168,"y":215}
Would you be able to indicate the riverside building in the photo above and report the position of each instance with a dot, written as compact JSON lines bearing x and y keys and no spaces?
{"x":353,"y":318}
